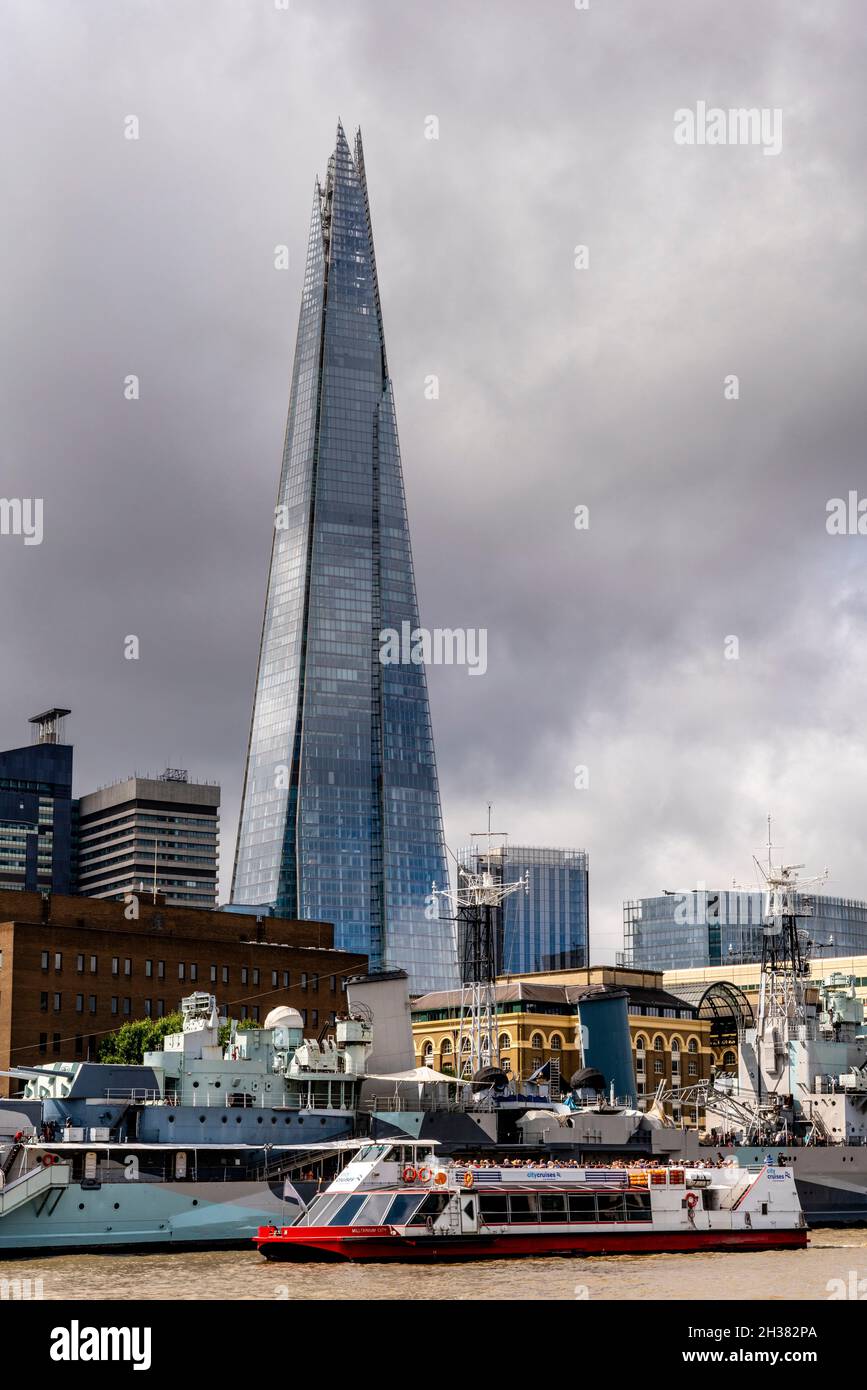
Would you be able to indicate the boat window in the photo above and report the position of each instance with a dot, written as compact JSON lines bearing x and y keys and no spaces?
{"x":370,"y":1153}
{"x":373,"y":1210}
{"x":346,"y":1211}
{"x":611,"y":1208}
{"x":494,"y":1208}
{"x":638,"y":1206}
{"x":402,"y":1209}
{"x":582,"y":1206}
{"x":320,"y":1209}
{"x":552,"y":1208}
{"x":522,"y":1209}
{"x":433,"y":1206}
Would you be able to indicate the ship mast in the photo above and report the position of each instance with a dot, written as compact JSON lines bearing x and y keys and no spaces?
{"x":782,"y":1005}
{"x":477,"y":902}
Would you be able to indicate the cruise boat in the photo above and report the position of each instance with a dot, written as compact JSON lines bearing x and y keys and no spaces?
{"x":402,"y":1202}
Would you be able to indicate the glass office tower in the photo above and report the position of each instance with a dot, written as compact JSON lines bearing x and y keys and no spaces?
{"x":36,"y":810}
{"x":340,"y":817}
{"x":546,"y":927}
{"x":706,"y":927}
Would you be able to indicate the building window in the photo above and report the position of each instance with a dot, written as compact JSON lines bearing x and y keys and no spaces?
{"x":446,"y":1048}
{"x":224,"y":973}
{"x":55,"y":1042}
{"x":556,"y":1042}
{"x":273,"y":979}
{"x":658,"y":1044}
{"x":127,"y":966}
{"x":161,"y":970}
{"x":79,"y":964}
{"x":127,"y":1007}
{"x":285,"y":979}
{"x":255,"y":975}
{"x":244,"y":973}
{"x":181,"y":970}
{"x":93,"y":965}
{"x":58,"y":1002}
{"x":44,"y":960}
{"x":536,"y":1042}
{"x":79,"y":1003}
{"x":148,"y":1004}
{"x":115,"y":965}
{"x":256,"y":1013}
{"x":693,"y":1068}
{"x":194,"y":972}
{"x":427,"y":1052}
{"x":729,"y":1059}
{"x":79,"y":1045}
{"x":43,"y":1042}
{"x":657,"y":1067}
{"x":58,"y":961}
{"x":114,"y":1003}
{"x":161,"y":1008}
{"x":213,"y":974}
{"x":505,"y":1041}
{"x":692,"y":1046}
{"x":303,"y":980}
{"x":315,"y":1023}
{"x":149,"y":969}
{"x":333,"y":982}
{"x":91,"y":1001}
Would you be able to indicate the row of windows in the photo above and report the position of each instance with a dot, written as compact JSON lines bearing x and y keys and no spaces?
{"x":190,"y":971}
{"x":505,"y":1041}
{"x":659,"y":1044}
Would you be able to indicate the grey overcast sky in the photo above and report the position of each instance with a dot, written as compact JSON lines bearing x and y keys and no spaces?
{"x":559,"y":387}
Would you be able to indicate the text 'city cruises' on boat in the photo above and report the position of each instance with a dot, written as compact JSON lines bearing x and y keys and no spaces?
{"x":400,"y":1202}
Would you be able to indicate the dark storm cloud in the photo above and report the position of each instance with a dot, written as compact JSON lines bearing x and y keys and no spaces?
{"x":558,"y":387}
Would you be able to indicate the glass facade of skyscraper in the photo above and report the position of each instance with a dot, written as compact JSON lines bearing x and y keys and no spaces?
{"x":548,"y":926}
{"x":686,"y":931}
{"x":340,"y":817}
{"x":36,"y":813}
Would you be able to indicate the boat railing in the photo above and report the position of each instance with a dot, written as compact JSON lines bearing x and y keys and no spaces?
{"x":219,"y":1098}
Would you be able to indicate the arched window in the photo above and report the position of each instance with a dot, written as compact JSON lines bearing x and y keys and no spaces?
{"x":428,"y":1051}
{"x":693,"y":1045}
{"x":505,"y":1041}
{"x":465,"y":1045}
{"x":658,"y":1044}
{"x":446,"y":1047}
{"x":675,"y":1044}
{"x":730,"y":1060}
{"x":536,"y":1042}
{"x":640,"y":1043}
{"x":556,"y":1042}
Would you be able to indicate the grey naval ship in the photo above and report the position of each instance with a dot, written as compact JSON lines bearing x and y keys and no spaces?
{"x":201,"y":1144}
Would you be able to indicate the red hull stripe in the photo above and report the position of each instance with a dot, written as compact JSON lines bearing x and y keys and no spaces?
{"x":390,"y":1246}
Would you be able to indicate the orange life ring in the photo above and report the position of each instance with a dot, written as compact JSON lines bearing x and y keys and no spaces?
{"x":423,"y":1174}
{"x":409,"y":1173}
{"x":441,"y":1178}
{"x":468,"y":1179}
{"x":691,"y":1200}
{"x":49,"y":1159}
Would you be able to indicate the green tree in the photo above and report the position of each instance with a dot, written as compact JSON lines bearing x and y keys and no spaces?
{"x":242,"y":1025}
{"x":140,"y":1035}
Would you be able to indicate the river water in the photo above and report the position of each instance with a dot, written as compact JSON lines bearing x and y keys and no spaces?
{"x":240,"y":1274}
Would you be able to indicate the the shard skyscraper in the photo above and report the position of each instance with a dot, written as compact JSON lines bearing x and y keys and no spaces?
{"x":340,"y":818}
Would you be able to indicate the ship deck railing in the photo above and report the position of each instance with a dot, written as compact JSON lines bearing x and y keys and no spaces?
{"x":220,"y":1099}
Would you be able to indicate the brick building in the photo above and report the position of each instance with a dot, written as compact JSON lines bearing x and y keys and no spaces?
{"x":74,"y":969}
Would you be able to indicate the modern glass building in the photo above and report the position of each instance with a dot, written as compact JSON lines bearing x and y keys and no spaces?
{"x":706,"y":927}
{"x":340,"y":817}
{"x":548,"y":926}
{"x":36,"y":810}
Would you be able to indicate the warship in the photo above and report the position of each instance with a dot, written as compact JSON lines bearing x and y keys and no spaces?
{"x":200,"y":1144}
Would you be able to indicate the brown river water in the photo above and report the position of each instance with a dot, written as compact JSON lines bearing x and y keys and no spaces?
{"x":240,"y":1274}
